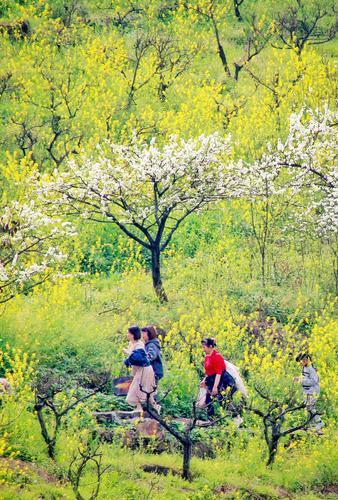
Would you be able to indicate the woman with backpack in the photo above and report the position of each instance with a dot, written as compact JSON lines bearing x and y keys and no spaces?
{"x":143,"y":373}
{"x":217,"y":379}
{"x":153,"y":350}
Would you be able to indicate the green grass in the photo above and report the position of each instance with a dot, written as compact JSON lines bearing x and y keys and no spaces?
{"x":302,"y":475}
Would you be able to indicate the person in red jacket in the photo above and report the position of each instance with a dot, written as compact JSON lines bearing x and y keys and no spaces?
{"x":217,"y":380}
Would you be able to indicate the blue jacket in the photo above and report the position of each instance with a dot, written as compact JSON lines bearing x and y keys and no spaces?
{"x":137,"y":358}
{"x":153,"y":350}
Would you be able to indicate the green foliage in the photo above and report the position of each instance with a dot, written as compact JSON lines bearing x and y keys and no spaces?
{"x":72,"y":76}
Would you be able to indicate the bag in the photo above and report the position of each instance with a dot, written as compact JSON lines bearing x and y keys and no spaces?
{"x":121,"y":385}
{"x":202,"y":394}
{"x":227,"y":380}
{"x":233,"y":370}
{"x":138,"y":357}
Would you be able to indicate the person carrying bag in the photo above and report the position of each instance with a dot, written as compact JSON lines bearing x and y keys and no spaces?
{"x":217,"y":380}
{"x":143,"y":383}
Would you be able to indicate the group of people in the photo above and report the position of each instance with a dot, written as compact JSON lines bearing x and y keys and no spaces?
{"x":221,"y":381}
{"x":144,"y":357}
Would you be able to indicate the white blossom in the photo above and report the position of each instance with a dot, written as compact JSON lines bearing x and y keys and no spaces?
{"x":305,"y":162}
{"x":28,"y":246}
{"x":140,"y":184}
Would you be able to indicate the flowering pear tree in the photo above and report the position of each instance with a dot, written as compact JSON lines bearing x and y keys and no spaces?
{"x":305,"y":163}
{"x":294,"y":183}
{"x":310,"y":155}
{"x":146,"y":190}
{"x":28,"y":247}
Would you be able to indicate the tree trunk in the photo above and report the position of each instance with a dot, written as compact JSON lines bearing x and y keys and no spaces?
{"x":335,"y":268}
{"x":223,"y":59}
{"x":272,"y":449}
{"x":220,"y":49}
{"x":263,"y":267}
{"x":50,"y":442}
{"x":237,"y":12}
{"x":156,"y":274}
{"x":162,"y":88}
{"x":186,"y":459}
{"x":238,"y":68}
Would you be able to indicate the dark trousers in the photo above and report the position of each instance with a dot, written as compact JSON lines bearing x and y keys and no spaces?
{"x":225,"y":382}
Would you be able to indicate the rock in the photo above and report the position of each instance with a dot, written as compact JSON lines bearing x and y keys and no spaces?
{"x":131,"y":439}
{"x":282,"y":493}
{"x":107,"y":417}
{"x":240,"y":492}
{"x":187,"y":421}
{"x":27,"y":469}
{"x":130,"y":414}
{"x":203,"y":450}
{"x":118,"y":416}
{"x":159,"y":469}
{"x":146,"y":432}
{"x":329,"y":489}
{"x":106,"y":435}
{"x":150,"y":428}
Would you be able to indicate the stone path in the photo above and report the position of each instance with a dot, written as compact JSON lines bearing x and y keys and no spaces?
{"x":121,"y":417}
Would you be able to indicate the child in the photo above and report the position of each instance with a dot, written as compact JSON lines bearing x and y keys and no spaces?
{"x":311,"y":390}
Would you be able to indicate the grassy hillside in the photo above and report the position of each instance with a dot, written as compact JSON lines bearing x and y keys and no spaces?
{"x":256,"y":271}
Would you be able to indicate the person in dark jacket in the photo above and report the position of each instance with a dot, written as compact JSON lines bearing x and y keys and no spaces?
{"x":153,"y":350}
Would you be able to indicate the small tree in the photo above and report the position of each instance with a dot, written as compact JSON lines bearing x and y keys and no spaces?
{"x":256,"y":32}
{"x":47,"y":405}
{"x":168,"y":62}
{"x":145,"y":190}
{"x":305,"y":23}
{"x":274,"y":420}
{"x":87,"y":454}
{"x":305,"y":162}
{"x":254,"y":42}
{"x":183,"y":437}
{"x":214,"y":13}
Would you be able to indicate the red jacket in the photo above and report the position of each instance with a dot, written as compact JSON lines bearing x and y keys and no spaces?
{"x":214,"y":363}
